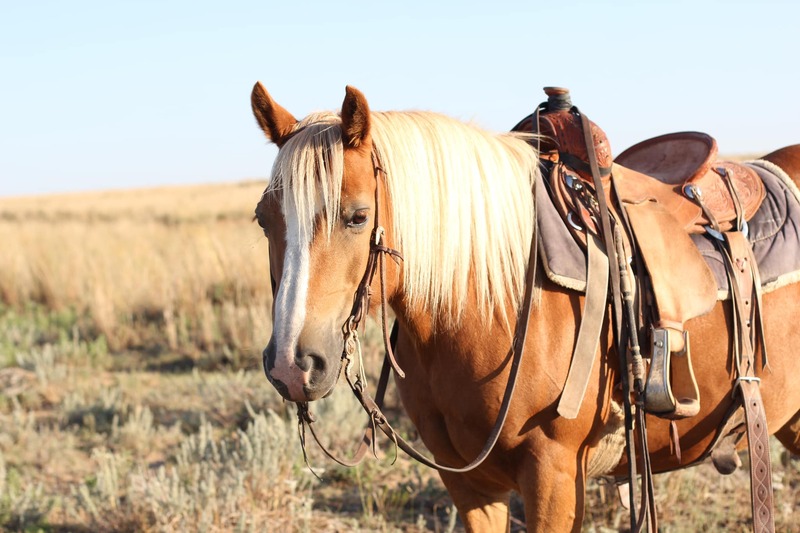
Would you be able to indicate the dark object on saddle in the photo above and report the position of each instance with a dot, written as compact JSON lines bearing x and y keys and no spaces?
{"x":699,"y":190}
{"x":562,"y":136}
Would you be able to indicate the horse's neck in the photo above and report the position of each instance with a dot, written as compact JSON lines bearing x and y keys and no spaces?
{"x":415,"y":321}
{"x":552,"y":331}
{"x":472,"y":335}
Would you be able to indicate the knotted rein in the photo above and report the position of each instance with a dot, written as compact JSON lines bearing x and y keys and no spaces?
{"x":351,"y":348}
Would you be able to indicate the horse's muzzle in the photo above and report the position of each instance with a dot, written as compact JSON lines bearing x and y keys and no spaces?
{"x":303,"y":378}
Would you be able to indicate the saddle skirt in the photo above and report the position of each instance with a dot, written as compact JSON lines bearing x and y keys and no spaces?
{"x":774,"y":233}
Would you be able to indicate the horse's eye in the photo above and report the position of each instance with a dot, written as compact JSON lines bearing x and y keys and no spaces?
{"x":260,"y":221}
{"x":358,"y":219}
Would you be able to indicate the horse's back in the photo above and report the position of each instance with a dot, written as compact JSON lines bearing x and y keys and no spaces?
{"x":788,"y":159}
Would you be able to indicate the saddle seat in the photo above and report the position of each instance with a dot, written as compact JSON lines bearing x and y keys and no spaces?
{"x":674,"y":158}
{"x":684,"y":165}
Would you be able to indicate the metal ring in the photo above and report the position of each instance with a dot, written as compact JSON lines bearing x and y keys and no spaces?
{"x":572,"y":223}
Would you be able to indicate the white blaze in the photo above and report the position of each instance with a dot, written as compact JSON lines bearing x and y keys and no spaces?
{"x":290,"y":305}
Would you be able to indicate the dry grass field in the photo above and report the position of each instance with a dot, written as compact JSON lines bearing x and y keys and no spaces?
{"x":180,"y":265}
{"x":132,"y":397}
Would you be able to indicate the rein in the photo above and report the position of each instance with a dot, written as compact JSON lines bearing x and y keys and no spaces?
{"x":626,"y":343}
{"x":373,"y":406}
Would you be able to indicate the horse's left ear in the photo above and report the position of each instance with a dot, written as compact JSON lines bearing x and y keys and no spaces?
{"x":355,"y":118}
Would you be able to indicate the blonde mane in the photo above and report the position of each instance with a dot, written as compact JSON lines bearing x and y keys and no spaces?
{"x":461,"y":200}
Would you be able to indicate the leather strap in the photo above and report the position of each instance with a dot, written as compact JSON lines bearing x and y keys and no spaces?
{"x":761,"y":494}
{"x":627,"y":346}
{"x":379,"y":420}
{"x":594,"y":312}
{"x":760,"y":467}
{"x":742,"y":278}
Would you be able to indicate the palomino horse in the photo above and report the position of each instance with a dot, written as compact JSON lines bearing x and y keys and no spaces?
{"x":457,"y":203}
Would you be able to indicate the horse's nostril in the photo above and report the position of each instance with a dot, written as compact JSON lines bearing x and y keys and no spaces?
{"x":268,"y":357}
{"x":309,"y":360}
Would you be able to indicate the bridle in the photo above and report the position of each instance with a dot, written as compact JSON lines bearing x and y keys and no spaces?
{"x":361,"y":299}
{"x":351,"y":350}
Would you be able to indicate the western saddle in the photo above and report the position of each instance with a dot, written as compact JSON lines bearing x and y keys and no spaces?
{"x":633,"y":216}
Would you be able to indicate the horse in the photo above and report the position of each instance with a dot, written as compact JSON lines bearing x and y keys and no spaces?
{"x":456,"y":201}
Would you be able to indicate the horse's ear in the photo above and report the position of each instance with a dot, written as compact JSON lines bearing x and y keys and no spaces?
{"x":276,"y":122}
{"x":355,"y":118}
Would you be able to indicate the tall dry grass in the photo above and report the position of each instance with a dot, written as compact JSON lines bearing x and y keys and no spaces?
{"x":184,"y":266}
{"x":91,"y":445}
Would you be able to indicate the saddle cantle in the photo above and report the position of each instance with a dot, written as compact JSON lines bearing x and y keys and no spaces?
{"x":685,"y":166}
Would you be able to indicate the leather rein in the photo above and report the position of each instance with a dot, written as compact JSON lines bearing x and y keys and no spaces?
{"x":352,"y":350}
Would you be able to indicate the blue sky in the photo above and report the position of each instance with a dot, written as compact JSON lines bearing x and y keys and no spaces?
{"x":98,"y":95}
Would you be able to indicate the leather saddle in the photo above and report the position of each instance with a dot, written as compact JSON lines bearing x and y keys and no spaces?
{"x":662,"y":190}
{"x":681,"y":171}
{"x":652,"y":198}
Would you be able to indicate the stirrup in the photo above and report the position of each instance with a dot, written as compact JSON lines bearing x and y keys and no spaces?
{"x":679,"y":396}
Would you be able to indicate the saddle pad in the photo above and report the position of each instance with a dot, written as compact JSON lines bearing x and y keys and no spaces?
{"x":774,"y":234}
{"x":563,"y":259}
